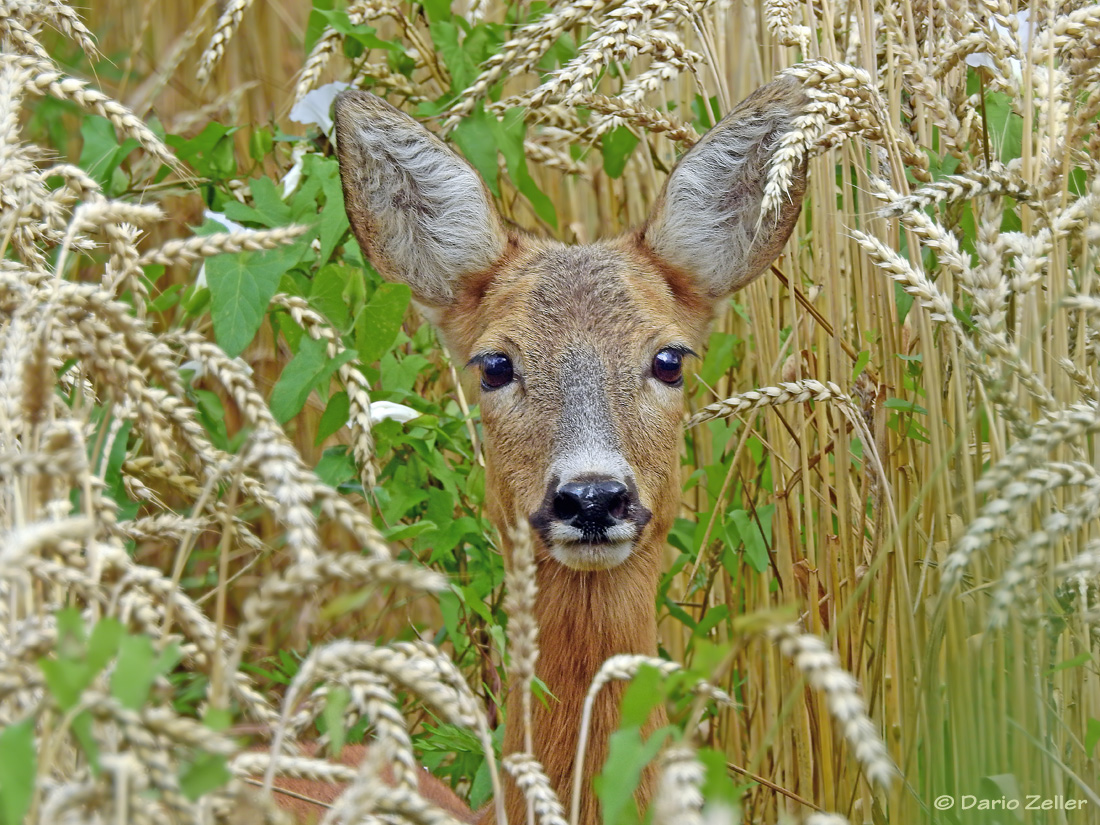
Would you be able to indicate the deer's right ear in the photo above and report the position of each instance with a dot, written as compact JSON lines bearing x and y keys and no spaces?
{"x":420,"y":212}
{"x":707,"y":222}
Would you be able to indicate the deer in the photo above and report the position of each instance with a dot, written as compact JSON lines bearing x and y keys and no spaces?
{"x":577,"y":357}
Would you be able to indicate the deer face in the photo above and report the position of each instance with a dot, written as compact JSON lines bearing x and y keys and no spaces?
{"x":577,"y":353}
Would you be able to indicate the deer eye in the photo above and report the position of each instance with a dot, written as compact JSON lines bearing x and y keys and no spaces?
{"x":668,"y":367}
{"x":496,"y":371}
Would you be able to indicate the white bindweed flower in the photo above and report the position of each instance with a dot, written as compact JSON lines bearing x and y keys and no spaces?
{"x":316,"y":106}
{"x":230,"y":226}
{"x":293,"y":177}
{"x":381,"y":410}
{"x":983,"y":59}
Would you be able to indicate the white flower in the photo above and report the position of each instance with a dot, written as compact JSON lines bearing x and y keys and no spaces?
{"x":230,"y":226}
{"x":983,"y":59}
{"x":315,"y":106}
{"x":293,"y":176}
{"x":381,"y":410}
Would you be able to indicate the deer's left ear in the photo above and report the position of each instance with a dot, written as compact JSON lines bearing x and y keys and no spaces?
{"x":707,"y":221}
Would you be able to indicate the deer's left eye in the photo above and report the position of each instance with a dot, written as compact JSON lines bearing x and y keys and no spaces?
{"x":668,"y":367}
{"x":496,"y":371}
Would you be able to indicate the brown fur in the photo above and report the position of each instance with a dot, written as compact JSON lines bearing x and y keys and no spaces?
{"x":610,"y":306}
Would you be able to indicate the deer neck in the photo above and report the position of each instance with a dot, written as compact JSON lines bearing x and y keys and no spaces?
{"x":584,"y":618}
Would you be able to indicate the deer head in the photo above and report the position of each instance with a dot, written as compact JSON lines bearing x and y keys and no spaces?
{"x":578,"y":353}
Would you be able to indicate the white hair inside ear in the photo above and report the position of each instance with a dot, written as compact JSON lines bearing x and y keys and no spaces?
{"x":708,"y":221}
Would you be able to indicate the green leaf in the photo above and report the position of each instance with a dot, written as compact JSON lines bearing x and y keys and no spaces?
{"x":511,"y":131}
{"x":103,"y":643}
{"x":18,"y":767}
{"x":617,"y":146}
{"x":306,"y":371}
{"x":475,"y":136}
{"x":627,"y":754}
{"x":335,"y":467}
{"x":643,"y":693}
{"x":1076,"y":661}
{"x":134,"y":672}
{"x":902,"y":404}
{"x":66,"y":680}
{"x":719,"y":357}
{"x":1006,"y":127}
{"x":207,"y":773}
{"x":755,"y":539}
{"x":321,"y":177}
{"x":101,"y":154}
{"x":326,"y":294}
{"x":439,"y":10}
{"x":1092,"y":736}
{"x":380,"y":320}
{"x":241,"y":287}
{"x":445,"y":36}
{"x":862,"y":360}
{"x":333,"y":715}
{"x":335,"y":416}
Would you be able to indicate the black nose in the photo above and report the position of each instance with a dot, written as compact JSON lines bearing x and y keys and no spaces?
{"x":592,"y":505}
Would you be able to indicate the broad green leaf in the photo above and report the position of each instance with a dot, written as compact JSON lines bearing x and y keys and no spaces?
{"x":756,"y":542}
{"x":241,"y":287}
{"x":438,"y":10}
{"x":305,"y":372}
{"x":336,"y":703}
{"x":103,"y":643}
{"x":334,"y":217}
{"x":1006,"y":127}
{"x":326,"y":294}
{"x":207,"y":773}
{"x":335,"y":467}
{"x":511,"y":131}
{"x":475,"y":135}
{"x":617,"y":146}
{"x":719,"y":357}
{"x":102,"y":153}
{"x":18,"y":767}
{"x":380,"y":320}
{"x":134,"y":672}
{"x":643,"y":693}
{"x":446,"y":36}
{"x":335,"y":416}
{"x":66,"y":679}
{"x":627,"y":754}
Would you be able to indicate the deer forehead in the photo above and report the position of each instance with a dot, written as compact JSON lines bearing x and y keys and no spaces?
{"x":557,"y":307}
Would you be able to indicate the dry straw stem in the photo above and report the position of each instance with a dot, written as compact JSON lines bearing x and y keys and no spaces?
{"x":532,"y":780}
{"x":523,"y":631}
{"x":331,"y":40}
{"x":356,"y":384}
{"x":224,"y":29}
{"x":187,"y":250}
{"x":679,"y":799}
{"x":579,"y":75}
{"x":522,"y":53}
{"x":822,"y":669}
{"x":47,"y":79}
{"x":625,"y":667}
{"x":416,"y":667}
{"x":642,"y":116}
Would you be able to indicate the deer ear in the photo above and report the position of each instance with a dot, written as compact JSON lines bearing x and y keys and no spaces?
{"x":707,"y":221}
{"x":420,"y":212}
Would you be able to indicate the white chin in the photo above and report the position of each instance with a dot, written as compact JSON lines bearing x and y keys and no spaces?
{"x":583,"y":556}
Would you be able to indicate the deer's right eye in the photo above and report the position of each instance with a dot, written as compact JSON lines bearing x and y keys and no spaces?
{"x":496,"y":371}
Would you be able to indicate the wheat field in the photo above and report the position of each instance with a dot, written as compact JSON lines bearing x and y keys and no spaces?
{"x":213,"y":529}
